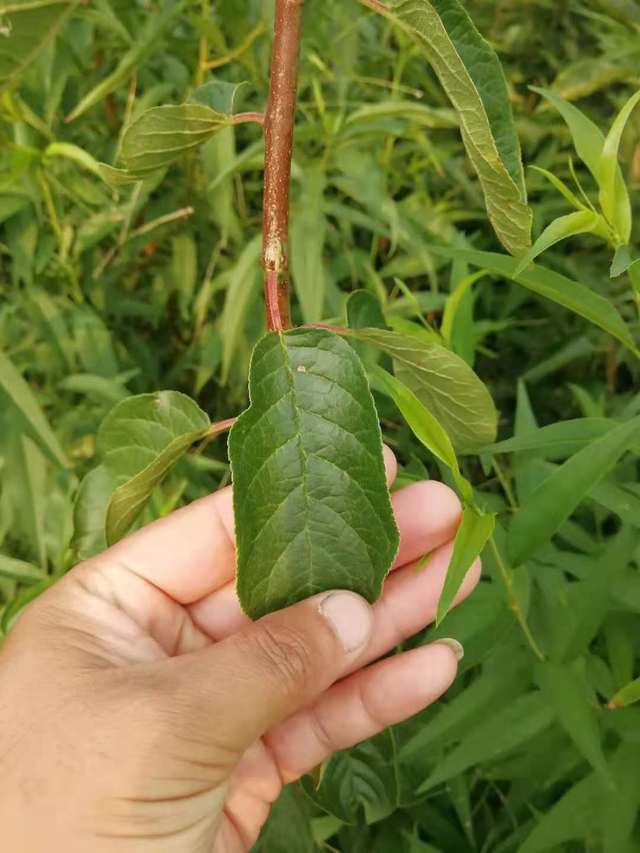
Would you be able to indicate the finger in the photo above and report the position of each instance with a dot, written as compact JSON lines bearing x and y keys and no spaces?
{"x":427,"y":515}
{"x":191,"y":552}
{"x":232,"y":692}
{"x":363,"y":705}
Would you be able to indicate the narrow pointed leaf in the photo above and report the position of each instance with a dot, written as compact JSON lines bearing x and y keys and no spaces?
{"x":423,"y":424}
{"x":443,"y":382}
{"x":556,"y":441}
{"x":580,"y":222}
{"x":473,"y":534}
{"x":311,"y":503}
{"x":21,"y":396}
{"x":148,"y":40}
{"x":627,"y":695}
{"x":139,"y":440}
{"x":498,"y":734}
{"x":545,"y":282}
{"x":470,"y":73}
{"x":614,"y":196}
{"x":556,"y":498}
{"x":567,"y":694}
{"x":20,"y":570}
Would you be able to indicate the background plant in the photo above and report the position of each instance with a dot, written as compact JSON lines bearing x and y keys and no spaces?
{"x":109,"y":295}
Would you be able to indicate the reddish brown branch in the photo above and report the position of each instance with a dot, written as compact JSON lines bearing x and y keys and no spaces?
{"x":376,"y":5}
{"x":278,"y":135}
{"x":243,"y":118}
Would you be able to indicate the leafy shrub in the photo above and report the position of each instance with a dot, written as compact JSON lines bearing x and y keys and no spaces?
{"x":131,"y":263}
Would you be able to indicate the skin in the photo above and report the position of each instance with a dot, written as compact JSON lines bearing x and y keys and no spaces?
{"x":140,"y":710}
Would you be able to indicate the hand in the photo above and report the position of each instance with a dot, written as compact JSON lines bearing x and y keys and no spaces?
{"x":141,"y":710}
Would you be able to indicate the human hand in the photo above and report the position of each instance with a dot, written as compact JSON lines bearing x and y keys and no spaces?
{"x":141,"y":710}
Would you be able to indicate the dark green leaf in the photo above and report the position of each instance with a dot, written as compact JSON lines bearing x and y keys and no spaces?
{"x":311,"y":503}
{"x":21,"y":396}
{"x":568,"y":695}
{"x":557,"y":497}
{"x":572,"y":295}
{"x":360,"y":782}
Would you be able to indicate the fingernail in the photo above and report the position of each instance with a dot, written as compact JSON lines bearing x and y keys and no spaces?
{"x":349,"y":616}
{"x":456,"y":647}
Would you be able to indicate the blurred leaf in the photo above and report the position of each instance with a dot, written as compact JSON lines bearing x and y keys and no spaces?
{"x":558,"y":496}
{"x":359,"y":781}
{"x":627,"y":695}
{"x":90,"y":513}
{"x":556,"y":441}
{"x":21,"y":396}
{"x":27,"y":32}
{"x":243,"y":283}
{"x":444,"y":384}
{"x":503,"y":731}
{"x":72,"y":152}
{"x":472,"y":77}
{"x":568,"y":695}
{"x":308,"y":234}
{"x":148,"y":40}
{"x":545,"y":282}
{"x":364,"y":311}
{"x":139,"y":441}
{"x":289,"y":825}
{"x":21,"y":600}
{"x":574,"y":816}
{"x":20,"y":570}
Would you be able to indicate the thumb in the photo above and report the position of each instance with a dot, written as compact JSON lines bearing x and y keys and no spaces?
{"x":242,"y":686}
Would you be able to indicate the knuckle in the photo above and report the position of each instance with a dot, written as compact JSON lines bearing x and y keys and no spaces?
{"x":285,"y":656}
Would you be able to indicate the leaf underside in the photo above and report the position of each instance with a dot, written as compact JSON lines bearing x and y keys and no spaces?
{"x":444,"y":383}
{"x":311,"y":503}
{"x":470,"y":73}
{"x":140,"y":439}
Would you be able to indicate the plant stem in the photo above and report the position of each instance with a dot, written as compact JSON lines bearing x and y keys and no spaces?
{"x":278,"y":136}
{"x":376,"y":5}
{"x":512,"y":601}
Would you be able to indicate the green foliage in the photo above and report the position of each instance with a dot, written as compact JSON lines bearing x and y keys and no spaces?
{"x":310,"y":491}
{"x":108,"y":295}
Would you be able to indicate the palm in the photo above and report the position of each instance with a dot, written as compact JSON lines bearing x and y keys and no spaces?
{"x":170,"y":604}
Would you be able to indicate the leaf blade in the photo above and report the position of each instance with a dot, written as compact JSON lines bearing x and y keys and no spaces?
{"x":312,"y":417}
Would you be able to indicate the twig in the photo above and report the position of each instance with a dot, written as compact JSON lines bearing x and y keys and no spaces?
{"x":376,"y":5}
{"x":512,"y":601}
{"x":243,"y":47}
{"x":278,"y":134}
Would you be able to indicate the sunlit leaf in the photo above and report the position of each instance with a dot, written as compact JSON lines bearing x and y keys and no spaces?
{"x":581,"y":222}
{"x":614,"y":199}
{"x":472,"y":535}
